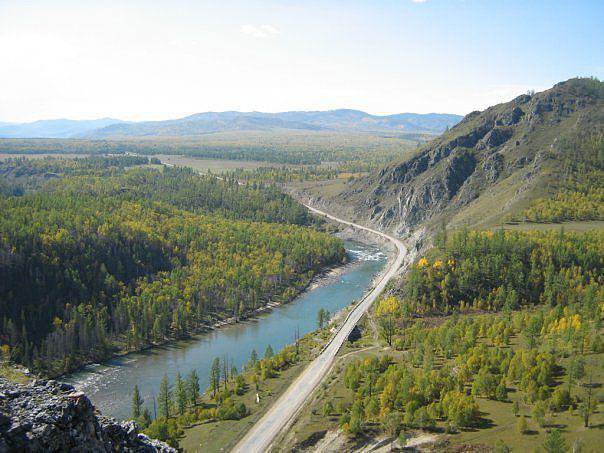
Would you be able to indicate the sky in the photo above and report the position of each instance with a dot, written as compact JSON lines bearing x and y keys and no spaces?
{"x":153,"y":60}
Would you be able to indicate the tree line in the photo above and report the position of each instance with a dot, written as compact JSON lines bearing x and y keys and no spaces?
{"x":542,"y":341}
{"x":85,"y":271}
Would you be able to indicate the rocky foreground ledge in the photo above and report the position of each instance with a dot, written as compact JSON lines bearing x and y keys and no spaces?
{"x":48,"y":416}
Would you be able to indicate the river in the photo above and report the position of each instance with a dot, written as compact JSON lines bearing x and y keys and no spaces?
{"x":110,"y":385}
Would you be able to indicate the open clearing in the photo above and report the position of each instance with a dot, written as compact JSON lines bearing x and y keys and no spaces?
{"x":213,"y":165}
{"x":567,"y":226}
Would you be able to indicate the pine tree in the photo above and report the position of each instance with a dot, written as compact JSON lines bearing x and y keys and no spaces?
{"x":193,"y":386}
{"x":555,"y":443}
{"x":215,"y":376}
{"x":145,"y":418}
{"x":164,"y":398}
{"x":253,"y":357}
{"x":180,"y":394}
{"x":268,"y":353}
{"x":137,"y":403}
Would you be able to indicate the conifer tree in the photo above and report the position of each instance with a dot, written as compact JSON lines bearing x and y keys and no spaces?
{"x":137,"y":403}
{"x":164,"y":398}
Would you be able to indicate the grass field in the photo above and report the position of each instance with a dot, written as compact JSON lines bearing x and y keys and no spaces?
{"x":13,"y":374}
{"x":329,"y":188}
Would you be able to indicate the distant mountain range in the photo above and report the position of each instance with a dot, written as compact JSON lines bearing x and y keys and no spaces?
{"x":61,"y":128}
{"x":343,"y":120}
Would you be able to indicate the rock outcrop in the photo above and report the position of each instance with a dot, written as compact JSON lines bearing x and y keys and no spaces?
{"x":499,"y":152}
{"x":48,"y":416}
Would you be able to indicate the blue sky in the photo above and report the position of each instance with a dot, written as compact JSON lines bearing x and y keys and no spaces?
{"x":163,"y":59}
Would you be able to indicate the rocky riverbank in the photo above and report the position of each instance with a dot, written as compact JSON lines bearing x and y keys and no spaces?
{"x":48,"y":416}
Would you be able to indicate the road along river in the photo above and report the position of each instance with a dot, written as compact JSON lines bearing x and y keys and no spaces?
{"x":260,"y":437}
{"x":110,"y":385}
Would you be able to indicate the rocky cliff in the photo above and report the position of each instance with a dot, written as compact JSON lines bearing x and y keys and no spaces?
{"x":48,"y":416}
{"x":486,"y":166}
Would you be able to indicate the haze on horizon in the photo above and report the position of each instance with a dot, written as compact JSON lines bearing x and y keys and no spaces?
{"x":154,"y":60}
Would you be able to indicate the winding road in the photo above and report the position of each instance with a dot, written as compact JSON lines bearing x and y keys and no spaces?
{"x":260,"y":437}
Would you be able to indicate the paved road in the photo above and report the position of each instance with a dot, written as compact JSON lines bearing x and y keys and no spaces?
{"x":261,"y":435}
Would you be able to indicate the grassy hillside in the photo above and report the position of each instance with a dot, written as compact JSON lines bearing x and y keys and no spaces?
{"x":494,"y":163}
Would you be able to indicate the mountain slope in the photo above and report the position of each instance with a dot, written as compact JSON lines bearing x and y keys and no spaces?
{"x":333,"y":120}
{"x":488,"y":166}
{"x":60,"y":128}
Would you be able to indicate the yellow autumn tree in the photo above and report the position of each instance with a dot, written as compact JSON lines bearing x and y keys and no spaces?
{"x":387,"y":306}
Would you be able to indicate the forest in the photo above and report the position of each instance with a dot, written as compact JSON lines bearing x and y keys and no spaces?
{"x":536,"y":354}
{"x":526,"y":352}
{"x":287,"y":147}
{"x":102,"y":258}
{"x":179,"y":187}
{"x":495,"y":270}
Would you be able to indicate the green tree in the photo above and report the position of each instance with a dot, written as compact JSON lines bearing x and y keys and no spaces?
{"x":555,"y":443}
{"x":501,"y":393}
{"x":322,"y":317}
{"x":193,"y":387}
{"x":268,"y":353}
{"x":164,"y":398}
{"x":538,"y":413}
{"x":137,"y":403}
{"x":253,"y":358}
{"x":145,"y":419}
{"x":180,"y":394}
{"x":215,"y":376}
{"x":402,"y":439}
{"x":522,"y":425}
{"x":392,"y":424}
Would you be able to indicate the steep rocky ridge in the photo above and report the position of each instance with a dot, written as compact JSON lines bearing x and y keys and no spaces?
{"x":48,"y":416}
{"x":490,"y":164}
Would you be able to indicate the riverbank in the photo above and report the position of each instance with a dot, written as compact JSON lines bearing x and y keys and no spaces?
{"x":214,"y":435}
{"x":263,"y":433}
{"x":110,"y":384}
{"x":120,"y":348}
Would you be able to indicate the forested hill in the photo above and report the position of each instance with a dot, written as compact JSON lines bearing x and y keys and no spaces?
{"x":100,"y":258}
{"x":342,"y":120}
{"x":180,"y":187}
{"x":499,"y":164}
{"x":60,"y":128}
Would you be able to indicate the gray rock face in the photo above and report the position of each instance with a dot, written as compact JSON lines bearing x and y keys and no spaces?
{"x":49,"y":416}
{"x":473,"y":158}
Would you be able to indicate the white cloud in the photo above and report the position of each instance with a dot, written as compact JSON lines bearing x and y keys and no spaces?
{"x":419,"y":1}
{"x":261,"y":31}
